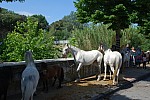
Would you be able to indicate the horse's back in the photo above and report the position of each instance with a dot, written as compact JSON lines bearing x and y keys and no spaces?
{"x":28,"y":71}
{"x":53,"y":70}
{"x":88,"y":57}
{"x":113,"y":57}
{"x":30,"y":74}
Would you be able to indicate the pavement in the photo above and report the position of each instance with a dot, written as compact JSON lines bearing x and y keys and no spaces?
{"x":129,"y":76}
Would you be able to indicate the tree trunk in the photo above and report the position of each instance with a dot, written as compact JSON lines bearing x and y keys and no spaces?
{"x":118,"y":39}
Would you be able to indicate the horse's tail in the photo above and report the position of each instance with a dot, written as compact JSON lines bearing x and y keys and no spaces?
{"x":122,"y":54}
{"x":28,"y":90}
{"x":122,"y":64}
{"x":62,"y":74}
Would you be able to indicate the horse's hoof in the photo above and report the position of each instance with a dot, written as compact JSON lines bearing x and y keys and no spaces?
{"x":104,"y":79}
{"x":77,"y":80}
{"x":98,"y":79}
{"x":114,"y":83}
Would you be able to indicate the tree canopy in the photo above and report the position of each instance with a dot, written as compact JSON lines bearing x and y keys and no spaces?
{"x":42,"y":22}
{"x":63,"y":28}
{"x":106,"y":11}
{"x":115,"y":12}
{"x":120,"y":13}
{"x":8,"y":20}
{"x":142,"y":9}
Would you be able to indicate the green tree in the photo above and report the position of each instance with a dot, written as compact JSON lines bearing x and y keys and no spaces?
{"x":63,"y":28}
{"x":42,"y":22}
{"x":27,"y":36}
{"x":72,"y":22}
{"x":116,"y":12}
{"x":142,"y":13}
{"x":8,"y":20}
{"x":59,"y":30}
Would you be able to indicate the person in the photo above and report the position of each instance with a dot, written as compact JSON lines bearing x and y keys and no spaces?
{"x":144,"y":61}
{"x":139,"y":56}
{"x":133,"y":55}
{"x":127,"y":48}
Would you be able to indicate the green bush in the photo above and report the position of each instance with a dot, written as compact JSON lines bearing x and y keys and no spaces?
{"x":27,"y":36}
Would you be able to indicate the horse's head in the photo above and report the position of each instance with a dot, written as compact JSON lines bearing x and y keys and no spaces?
{"x":28,"y":57}
{"x":65,"y":50}
{"x":102,"y":47}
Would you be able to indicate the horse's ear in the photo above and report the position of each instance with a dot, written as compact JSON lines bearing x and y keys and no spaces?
{"x":67,"y":45}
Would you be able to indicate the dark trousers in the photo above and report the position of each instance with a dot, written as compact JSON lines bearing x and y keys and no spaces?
{"x":144,"y":64}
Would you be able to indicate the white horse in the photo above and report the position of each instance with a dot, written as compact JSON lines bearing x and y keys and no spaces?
{"x":30,"y":78}
{"x":126,"y":57}
{"x":114,"y":60}
{"x":83,"y":57}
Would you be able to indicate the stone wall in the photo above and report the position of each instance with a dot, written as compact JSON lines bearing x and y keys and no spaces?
{"x":67,"y":64}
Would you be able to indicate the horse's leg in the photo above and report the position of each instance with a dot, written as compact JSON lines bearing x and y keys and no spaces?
{"x":78,"y":69}
{"x":99,"y":61}
{"x":46,"y":85}
{"x":99,"y":66}
{"x":43,"y":81}
{"x":105,"y":69}
{"x":111,"y":71}
{"x":117,"y":75}
{"x":114,"y":77}
{"x":31,"y":98}
{"x":114,"y":73}
{"x":118,"y":70}
{"x":110,"y":77}
{"x":59,"y":86}
{"x":54,"y":81}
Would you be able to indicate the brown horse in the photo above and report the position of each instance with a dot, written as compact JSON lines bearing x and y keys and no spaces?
{"x":49,"y":72}
{"x":5,"y":78}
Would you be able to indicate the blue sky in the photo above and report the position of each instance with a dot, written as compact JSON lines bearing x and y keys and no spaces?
{"x":53,"y":10}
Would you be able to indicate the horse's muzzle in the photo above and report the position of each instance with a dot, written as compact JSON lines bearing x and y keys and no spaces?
{"x":64,"y":56}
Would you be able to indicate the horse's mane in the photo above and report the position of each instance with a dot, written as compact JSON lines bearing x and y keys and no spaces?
{"x":108,"y":50}
{"x":28,"y":57}
{"x":75,"y":48}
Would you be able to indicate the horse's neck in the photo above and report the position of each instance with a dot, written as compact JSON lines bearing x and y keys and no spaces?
{"x":30,"y":64}
{"x":74,"y":50}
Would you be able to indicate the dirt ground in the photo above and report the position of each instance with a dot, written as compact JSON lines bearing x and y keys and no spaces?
{"x":84,"y":90}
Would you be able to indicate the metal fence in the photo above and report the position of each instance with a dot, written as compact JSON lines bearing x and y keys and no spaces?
{"x":67,"y":64}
